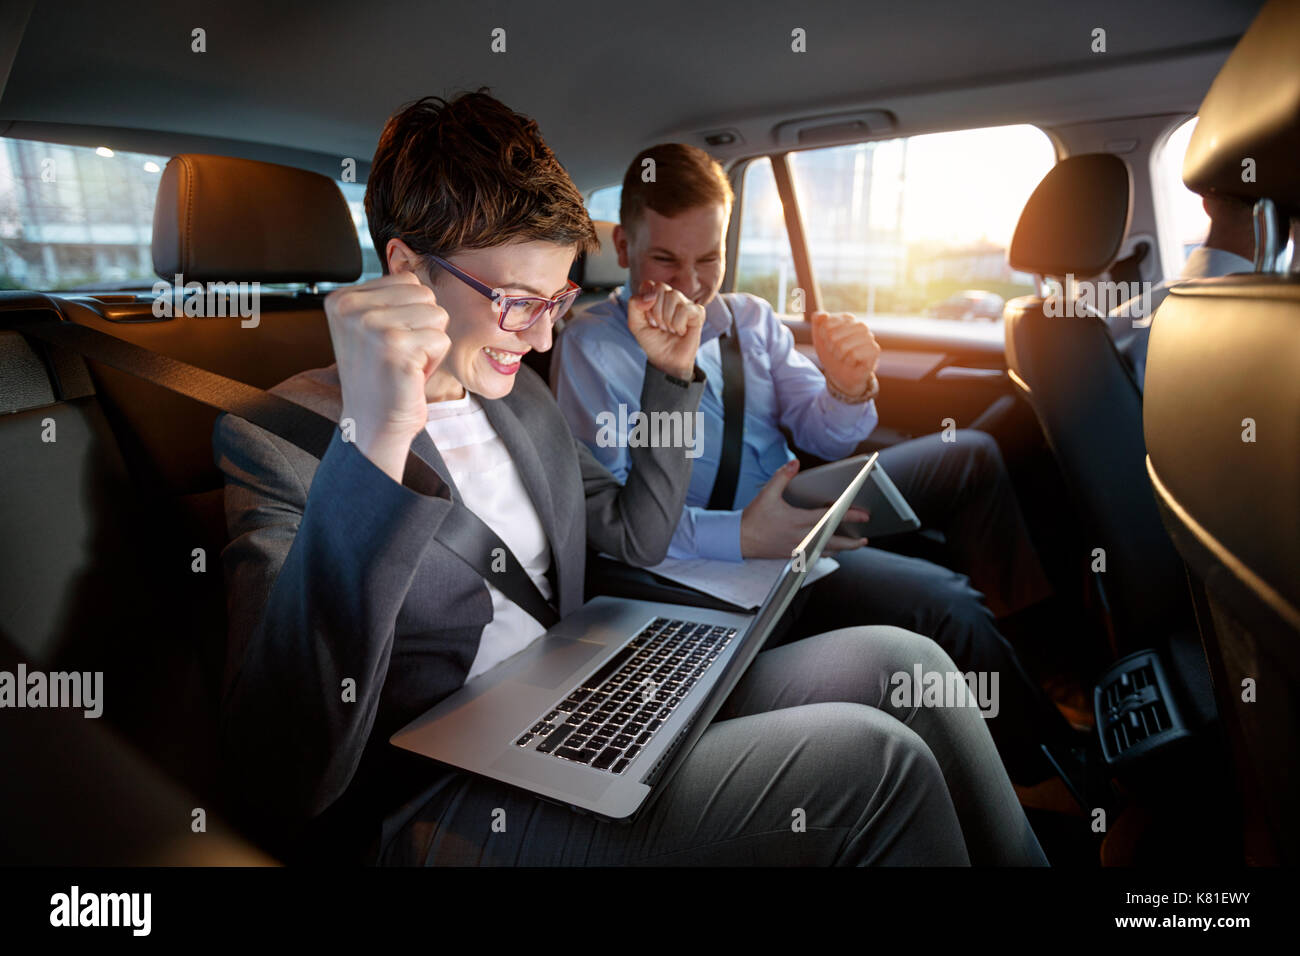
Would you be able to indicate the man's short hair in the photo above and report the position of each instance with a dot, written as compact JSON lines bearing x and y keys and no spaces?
{"x":469,"y":173}
{"x":683,"y":178}
{"x":1229,"y":207}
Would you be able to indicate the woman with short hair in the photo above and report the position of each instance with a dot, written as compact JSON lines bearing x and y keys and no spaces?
{"x":348,"y":619}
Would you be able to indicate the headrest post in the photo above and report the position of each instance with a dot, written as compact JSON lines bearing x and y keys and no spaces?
{"x":1265,"y":235}
{"x":1286,"y":257}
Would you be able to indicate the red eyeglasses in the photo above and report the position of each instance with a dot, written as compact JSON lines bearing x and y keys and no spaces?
{"x":515,"y":313}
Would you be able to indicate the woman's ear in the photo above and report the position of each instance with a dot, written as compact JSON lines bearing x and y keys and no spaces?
{"x":401,"y":258}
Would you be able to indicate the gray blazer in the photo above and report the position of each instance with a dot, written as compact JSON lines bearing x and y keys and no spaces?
{"x":347,"y":619}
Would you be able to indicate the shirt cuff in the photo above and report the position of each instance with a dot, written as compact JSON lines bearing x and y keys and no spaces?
{"x":846,"y":415}
{"x":717,"y":535}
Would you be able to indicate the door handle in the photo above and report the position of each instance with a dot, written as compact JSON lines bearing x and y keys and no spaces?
{"x":962,"y":373}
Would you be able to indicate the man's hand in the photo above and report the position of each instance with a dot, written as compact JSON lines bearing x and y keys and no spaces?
{"x":771,"y":527}
{"x":847,"y":350}
{"x":667,"y":326}
{"x":389,"y":336}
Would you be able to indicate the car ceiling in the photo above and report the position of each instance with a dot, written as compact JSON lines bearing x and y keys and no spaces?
{"x":312,"y":83}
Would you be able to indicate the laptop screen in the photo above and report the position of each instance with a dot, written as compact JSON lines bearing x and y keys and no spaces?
{"x":809,"y":551}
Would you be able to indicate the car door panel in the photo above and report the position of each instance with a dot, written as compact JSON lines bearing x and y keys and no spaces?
{"x":930,"y":370}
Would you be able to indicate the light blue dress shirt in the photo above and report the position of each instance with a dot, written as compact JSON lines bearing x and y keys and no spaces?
{"x":598,"y":365}
{"x":1131,"y":329}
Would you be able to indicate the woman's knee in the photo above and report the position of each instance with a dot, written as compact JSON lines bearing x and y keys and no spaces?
{"x":889,"y":793}
{"x":886,"y":650}
{"x":863,"y":749}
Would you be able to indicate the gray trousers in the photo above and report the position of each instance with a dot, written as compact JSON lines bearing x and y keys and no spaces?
{"x":809,"y":762}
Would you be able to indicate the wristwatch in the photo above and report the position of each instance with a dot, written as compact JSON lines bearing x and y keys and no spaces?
{"x":873,"y":389}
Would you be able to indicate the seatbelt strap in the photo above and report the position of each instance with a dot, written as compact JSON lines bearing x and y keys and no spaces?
{"x":462,"y":531}
{"x":723,"y":496}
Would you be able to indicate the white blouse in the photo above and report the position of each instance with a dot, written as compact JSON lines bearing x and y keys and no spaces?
{"x":490,"y":486}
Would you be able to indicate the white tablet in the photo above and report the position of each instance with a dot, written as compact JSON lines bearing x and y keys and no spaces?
{"x":890,"y":512}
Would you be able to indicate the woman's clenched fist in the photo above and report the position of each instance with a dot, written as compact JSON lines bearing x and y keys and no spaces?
{"x":389,"y":337}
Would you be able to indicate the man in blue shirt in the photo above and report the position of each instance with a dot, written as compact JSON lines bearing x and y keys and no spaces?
{"x":672,"y":233}
{"x":1229,"y":247}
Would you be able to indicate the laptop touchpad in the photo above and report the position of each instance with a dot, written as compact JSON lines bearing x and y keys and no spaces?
{"x":559,"y":663}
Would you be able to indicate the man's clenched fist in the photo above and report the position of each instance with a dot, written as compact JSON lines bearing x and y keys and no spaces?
{"x":667,"y":326}
{"x":389,"y":337}
{"x":847,"y":350}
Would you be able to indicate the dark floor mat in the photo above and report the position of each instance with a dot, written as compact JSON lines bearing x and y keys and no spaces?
{"x":1067,"y":840}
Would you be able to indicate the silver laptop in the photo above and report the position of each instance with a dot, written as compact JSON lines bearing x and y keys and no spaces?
{"x":599,"y":712}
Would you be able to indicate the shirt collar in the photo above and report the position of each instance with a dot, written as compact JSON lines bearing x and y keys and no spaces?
{"x":717,"y":319}
{"x":1204,"y":262}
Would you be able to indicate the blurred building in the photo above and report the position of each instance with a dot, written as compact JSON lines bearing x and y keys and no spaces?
{"x":73,"y":216}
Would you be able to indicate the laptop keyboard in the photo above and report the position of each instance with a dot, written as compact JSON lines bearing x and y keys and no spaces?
{"x":618,"y":710}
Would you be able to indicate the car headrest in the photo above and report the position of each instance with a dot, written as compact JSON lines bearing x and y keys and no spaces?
{"x":223,"y":219}
{"x":600,"y":269}
{"x":1076,"y":219}
{"x":1252,"y":112}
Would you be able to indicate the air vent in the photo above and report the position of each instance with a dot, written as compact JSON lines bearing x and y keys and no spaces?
{"x":1135,"y":712}
{"x":1137,"y":725}
{"x":1127,"y":684}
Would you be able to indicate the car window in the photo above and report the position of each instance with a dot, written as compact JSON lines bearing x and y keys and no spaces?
{"x":1180,"y":217}
{"x":602,"y":204}
{"x":355,"y":196}
{"x":764,"y":266}
{"x":914,"y":226}
{"x":73,"y":216}
{"x":81,"y":218}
